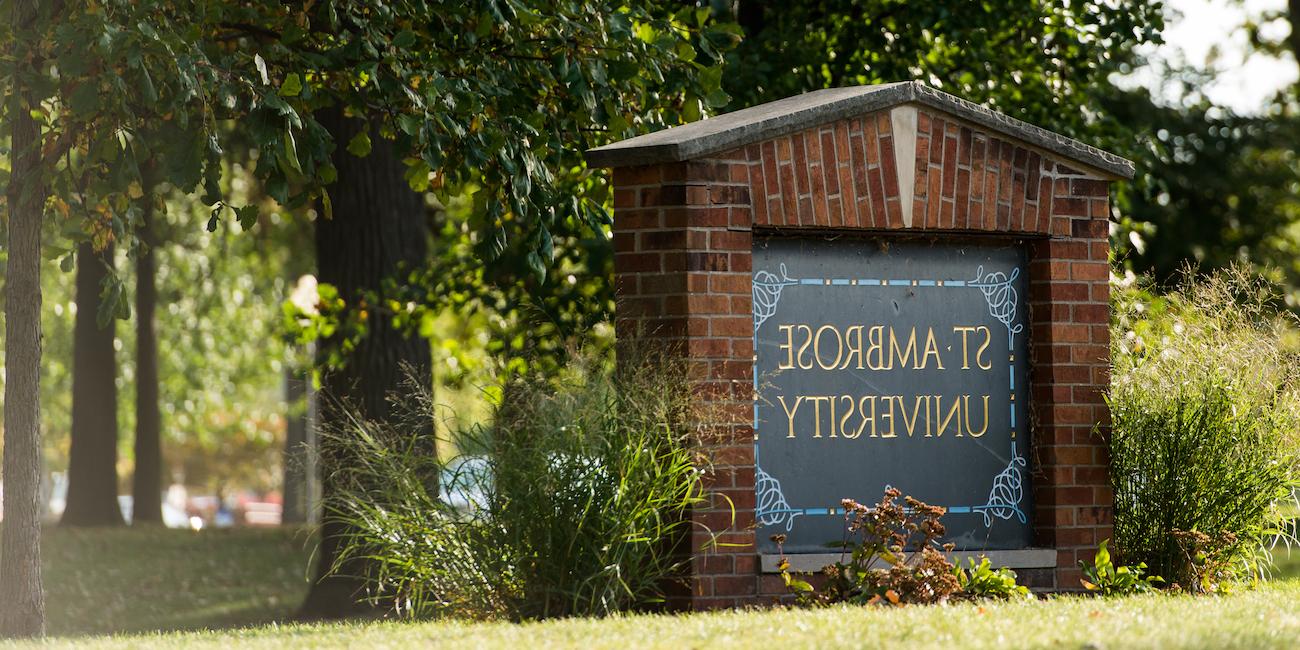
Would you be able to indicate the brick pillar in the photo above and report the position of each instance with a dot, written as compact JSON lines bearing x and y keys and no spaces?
{"x":1069,"y":293}
{"x":682,"y":271}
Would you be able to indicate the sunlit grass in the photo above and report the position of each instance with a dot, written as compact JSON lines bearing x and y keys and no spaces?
{"x":1268,"y":617}
{"x":121,"y":581}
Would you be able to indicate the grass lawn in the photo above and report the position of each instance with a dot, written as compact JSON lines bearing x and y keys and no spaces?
{"x":130,"y":581}
{"x":101,"y":581}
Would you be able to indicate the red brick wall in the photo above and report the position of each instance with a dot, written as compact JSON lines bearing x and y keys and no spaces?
{"x":840,"y":175}
{"x":683,"y":242}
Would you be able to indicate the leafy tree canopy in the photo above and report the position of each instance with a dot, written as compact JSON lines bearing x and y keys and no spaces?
{"x":1047,"y":63}
{"x":500,"y":95}
{"x":1043,"y":62}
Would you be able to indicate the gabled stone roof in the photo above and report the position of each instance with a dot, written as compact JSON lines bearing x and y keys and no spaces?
{"x":786,"y":116}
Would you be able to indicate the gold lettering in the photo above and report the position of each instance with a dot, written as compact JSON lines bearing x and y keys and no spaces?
{"x":910,"y":423}
{"x":876,"y":349}
{"x":789,"y":412}
{"x":817,"y":345}
{"x":931,"y":348}
{"x":854,"y":350}
{"x":867,"y":418}
{"x":900,"y":354}
{"x":831,"y":400}
{"x":929,"y":423}
{"x":889,"y":399}
{"x":987,"y":338}
{"x":788,"y":347}
{"x":965,"y":356}
{"x":985,"y":427}
{"x":817,"y":414}
{"x":844,"y":418}
{"x":943,"y":421}
{"x":807,"y":343}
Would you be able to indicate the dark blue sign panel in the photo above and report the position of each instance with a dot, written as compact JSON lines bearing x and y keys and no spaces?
{"x":880,"y":363}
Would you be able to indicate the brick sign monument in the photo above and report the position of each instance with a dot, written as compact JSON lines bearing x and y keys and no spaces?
{"x":878,"y":286}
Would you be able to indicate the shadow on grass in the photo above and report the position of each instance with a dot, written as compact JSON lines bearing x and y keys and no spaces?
{"x":108,"y":581}
{"x":112,"y":581}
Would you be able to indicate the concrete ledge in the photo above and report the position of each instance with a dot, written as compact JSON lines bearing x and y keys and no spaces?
{"x":1026,"y":558}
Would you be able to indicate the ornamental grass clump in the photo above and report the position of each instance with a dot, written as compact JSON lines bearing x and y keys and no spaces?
{"x":573,"y":502}
{"x":1205,"y":407}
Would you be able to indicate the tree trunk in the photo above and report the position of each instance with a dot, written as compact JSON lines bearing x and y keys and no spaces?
{"x":297,"y":448}
{"x":146,"y":481}
{"x":378,"y":225}
{"x":22,"y":599}
{"x":92,"y":460}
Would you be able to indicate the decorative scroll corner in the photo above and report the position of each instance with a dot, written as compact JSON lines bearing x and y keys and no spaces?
{"x":772,"y":508}
{"x":1006,"y":494}
{"x":1000,"y":293}
{"x":767,"y":293}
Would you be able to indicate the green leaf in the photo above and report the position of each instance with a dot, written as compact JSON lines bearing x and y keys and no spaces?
{"x":291,"y":151}
{"x":147,"y":87}
{"x":417,"y":175}
{"x":801,"y":586}
{"x":214,"y":145}
{"x":359,"y":146}
{"x":282,"y":107}
{"x":404,"y":39}
{"x":85,"y":99}
{"x":537,"y":267}
{"x":717,"y":98}
{"x":327,"y":174}
{"x":684,"y":51}
{"x":68,"y":262}
{"x":409,"y":124}
{"x":711,"y":77}
{"x":691,"y":108}
{"x":327,"y":206}
{"x":292,"y":85}
{"x":261,"y":69}
{"x":214,"y":219}
{"x":277,"y":187}
{"x":547,"y":245}
{"x":211,"y":189}
{"x":111,"y":304}
{"x":247,"y":216}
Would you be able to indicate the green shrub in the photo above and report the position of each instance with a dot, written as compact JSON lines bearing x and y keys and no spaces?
{"x":982,"y":580}
{"x":1101,"y":576}
{"x":573,"y":503}
{"x":1205,"y":406}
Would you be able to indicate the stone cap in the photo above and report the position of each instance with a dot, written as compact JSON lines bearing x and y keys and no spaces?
{"x":785,"y":116}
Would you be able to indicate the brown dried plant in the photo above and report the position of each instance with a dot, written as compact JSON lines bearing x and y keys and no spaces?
{"x":892,"y":556}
